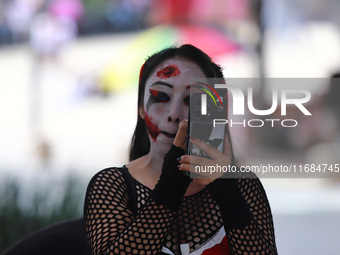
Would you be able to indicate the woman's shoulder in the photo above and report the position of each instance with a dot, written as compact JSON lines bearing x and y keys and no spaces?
{"x":111,"y":184}
{"x":110,"y":176}
{"x":246,"y":174}
{"x":111,"y":172}
{"x":250,"y":184}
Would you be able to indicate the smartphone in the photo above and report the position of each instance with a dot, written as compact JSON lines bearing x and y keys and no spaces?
{"x":201,"y":122}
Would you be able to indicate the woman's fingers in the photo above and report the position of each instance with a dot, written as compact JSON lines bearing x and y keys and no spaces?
{"x":212,"y":152}
{"x":180,"y":138}
{"x":195,"y":160}
{"x":208,"y":169}
{"x":203,"y":176}
{"x":204,"y":166}
{"x":202,"y":171}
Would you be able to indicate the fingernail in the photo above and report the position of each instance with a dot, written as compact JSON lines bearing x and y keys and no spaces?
{"x":192,"y":138}
{"x":179,"y":159}
{"x":179,"y":166}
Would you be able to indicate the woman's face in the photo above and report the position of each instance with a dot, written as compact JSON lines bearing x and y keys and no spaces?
{"x":166,"y":99}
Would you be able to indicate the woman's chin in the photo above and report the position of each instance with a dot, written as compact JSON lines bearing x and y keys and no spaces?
{"x":163,"y":145}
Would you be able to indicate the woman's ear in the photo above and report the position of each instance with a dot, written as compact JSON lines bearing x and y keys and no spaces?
{"x":142,"y":112}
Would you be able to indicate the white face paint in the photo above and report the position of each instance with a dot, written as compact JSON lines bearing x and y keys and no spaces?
{"x":166,"y":100}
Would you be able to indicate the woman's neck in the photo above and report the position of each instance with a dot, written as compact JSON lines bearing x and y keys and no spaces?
{"x":155,"y":160}
{"x":148,"y":168}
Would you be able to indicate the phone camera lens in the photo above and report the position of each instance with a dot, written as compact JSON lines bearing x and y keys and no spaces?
{"x":198,"y":102}
{"x":197,"y":114}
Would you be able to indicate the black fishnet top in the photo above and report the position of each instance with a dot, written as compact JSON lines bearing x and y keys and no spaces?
{"x":123,"y":217}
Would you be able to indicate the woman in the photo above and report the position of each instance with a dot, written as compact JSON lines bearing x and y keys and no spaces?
{"x":150,"y":206}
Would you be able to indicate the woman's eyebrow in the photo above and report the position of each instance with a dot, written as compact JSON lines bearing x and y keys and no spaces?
{"x":162,"y":83}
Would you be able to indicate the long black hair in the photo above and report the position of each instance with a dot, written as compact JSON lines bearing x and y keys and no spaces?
{"x":140,"y":143}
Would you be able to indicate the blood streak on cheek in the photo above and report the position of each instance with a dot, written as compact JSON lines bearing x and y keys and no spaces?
{"x":168,"y":71}
{"x":152,"y":128}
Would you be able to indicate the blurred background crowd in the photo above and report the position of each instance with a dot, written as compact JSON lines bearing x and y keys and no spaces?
{"x":68,"y":91}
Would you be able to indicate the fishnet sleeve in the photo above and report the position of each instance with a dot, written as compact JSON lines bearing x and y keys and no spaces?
{"x":249,"y":226}
{"x":110,"y":225}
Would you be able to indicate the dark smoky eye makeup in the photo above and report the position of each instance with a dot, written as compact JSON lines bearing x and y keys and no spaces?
{"x":187,"y":100}
{"x":159,"y":96}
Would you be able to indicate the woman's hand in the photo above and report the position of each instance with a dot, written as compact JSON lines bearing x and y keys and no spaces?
{"x":188,"y":163}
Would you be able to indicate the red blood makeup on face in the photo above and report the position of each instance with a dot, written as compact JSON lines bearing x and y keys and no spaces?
{"x":152,"y":128}
{"x":168,"y":71}
{"x":159,"y":97}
